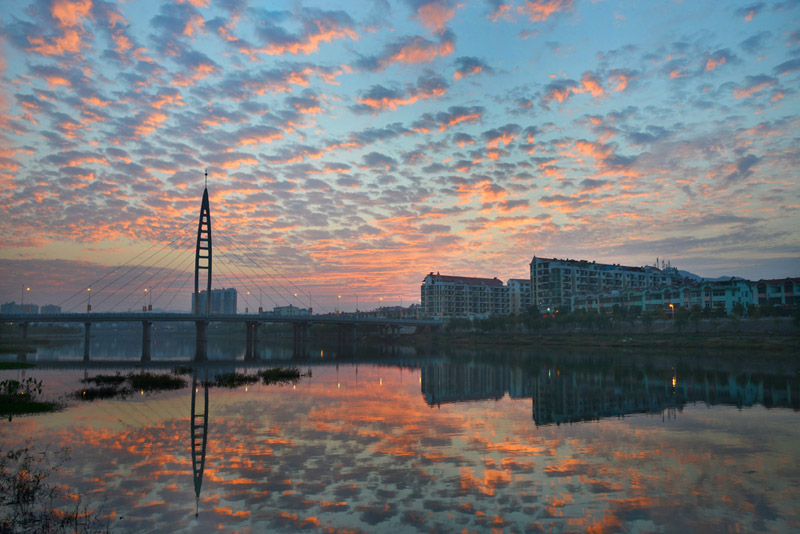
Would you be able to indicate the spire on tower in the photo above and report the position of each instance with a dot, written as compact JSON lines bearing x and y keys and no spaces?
{"x":206,"y":185}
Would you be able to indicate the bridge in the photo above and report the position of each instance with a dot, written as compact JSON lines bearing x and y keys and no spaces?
{"x":201,"y":316}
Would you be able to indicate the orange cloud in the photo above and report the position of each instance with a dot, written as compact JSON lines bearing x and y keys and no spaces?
{"x":713,"y":63}
{"x":194,"y":23}
{"x":149,"y":123}
{"x":434,"y":16}
{"x":421,"y":51}
{"x":753,"y":89}
{"x":69,"y":42}
{"x":592,"y":84}
{"x":541,"y":10}
{"x":70,"y":13}
{"x":327,"y":31}
{"x":392,"y":103}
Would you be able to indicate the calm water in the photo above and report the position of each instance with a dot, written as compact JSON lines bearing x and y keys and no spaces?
{"x":478,"y":441}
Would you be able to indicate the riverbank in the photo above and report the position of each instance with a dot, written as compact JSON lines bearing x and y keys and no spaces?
{"x":778,"y":343}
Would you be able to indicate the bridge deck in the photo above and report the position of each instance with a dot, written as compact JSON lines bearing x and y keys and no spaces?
{"x":226,"y":318}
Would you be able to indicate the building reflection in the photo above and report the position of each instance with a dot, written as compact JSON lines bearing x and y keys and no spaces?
{"x":572,"y":394}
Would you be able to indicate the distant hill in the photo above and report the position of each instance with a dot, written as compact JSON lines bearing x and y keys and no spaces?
{"x":696,"y":278}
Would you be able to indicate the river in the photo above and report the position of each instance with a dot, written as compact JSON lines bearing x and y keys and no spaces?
{"x":435,"y":440}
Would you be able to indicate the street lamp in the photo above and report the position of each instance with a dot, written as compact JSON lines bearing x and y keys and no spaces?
{"x":338,"y":304}
{"x":295,"y":304}
{"x":672,"y":310}
{"x":88,"y":299}
{"x":22,"y":297}
{"x":380,"y":306}
{"x":149,"y":292}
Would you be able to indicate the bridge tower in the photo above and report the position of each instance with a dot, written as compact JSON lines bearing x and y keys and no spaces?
{"x":202,"y":262}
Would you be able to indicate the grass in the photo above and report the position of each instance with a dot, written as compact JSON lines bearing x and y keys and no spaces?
{"x":281,"y":375}
{"x":5,"y":366}
{"x":277,"y":375}
{"x":154,"y":382}
{"x":233,"y":380}
{"x":10,"y":406}
{"x":99,"y":380}
{"x":117,"y":385}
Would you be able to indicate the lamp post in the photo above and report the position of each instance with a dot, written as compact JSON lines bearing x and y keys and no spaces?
{"x":338,"y":304}
{"x":356,"y":304}
{"x":672,"y":310}
{"x":88,"y":299}
{"x":380,"y":305}
{"x":295,"y":304}
{"x":24,"y":290}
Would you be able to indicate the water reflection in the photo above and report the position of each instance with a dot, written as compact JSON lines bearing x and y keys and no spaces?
{"x":583,"y":391}
{"x":447,"y":444}
{"x":199,"y":434}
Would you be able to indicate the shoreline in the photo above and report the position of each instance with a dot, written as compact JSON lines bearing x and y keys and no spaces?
{"x":781,"y":343}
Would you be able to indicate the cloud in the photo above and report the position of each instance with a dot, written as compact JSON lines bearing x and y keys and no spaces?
{"x":379,"y":98}
{"x":542,"y":10}
{"x":787,"y":66}
{"x":432,"y":14}
{"x":409,"y":50}
{"x":748,"y":13}
{"x":318,"y":26}
{"x":754,"y":85}
{"x":743,"y":168}
{"x":442,"y":120}
{"x":470,"y":66}
{"x":376,"y":160}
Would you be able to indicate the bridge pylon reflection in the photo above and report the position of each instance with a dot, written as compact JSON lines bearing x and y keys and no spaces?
{"x":199,"y":434}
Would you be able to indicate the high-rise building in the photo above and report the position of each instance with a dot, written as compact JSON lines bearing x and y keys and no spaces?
{"x":554,"y":282}
{"x":223,"y":301}
{"x":463,"y":296}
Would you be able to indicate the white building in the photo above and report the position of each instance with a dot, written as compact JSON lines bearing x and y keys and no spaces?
{"x":462,"y":296}
{"x":519,"y":295}
{"x":555,"y":282}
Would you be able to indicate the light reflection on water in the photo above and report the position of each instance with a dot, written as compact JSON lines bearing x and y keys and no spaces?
{"x":534,"y":444}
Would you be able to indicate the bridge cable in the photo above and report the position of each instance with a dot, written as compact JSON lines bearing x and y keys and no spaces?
{"x":256,"y":274}
{"x":138,"y":275}
{"x":119,"y":267}
{"x":248,"y":255}
{"x":259,"y":276}
{"x":188,"y":279}
{"x":258,"y":254}
{"x":180,"y":253}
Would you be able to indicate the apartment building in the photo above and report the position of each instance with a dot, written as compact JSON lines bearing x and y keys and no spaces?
{"x":780,"y":292}
{"x":721,"y":294}
{"x":444,"y":296}
{"x":519,"y":295}
{"x":555,"y":282}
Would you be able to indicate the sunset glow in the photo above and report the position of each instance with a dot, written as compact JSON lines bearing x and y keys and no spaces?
{"x":355,"y":147}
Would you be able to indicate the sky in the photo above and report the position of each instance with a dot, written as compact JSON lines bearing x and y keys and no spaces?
{"x":354,"y":147}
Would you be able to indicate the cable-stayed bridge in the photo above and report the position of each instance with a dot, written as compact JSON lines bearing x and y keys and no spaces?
{"x":132,"y":283}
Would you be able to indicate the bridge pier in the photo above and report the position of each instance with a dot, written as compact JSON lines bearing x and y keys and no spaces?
{"x":87,"y":334}
{"x":24,"y":326}
{"x":251,"y":347}
{"x":348,"y":334}
{"x":146,"y":329}
{"x":201,"y":341}
{"x":302,"y":335}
